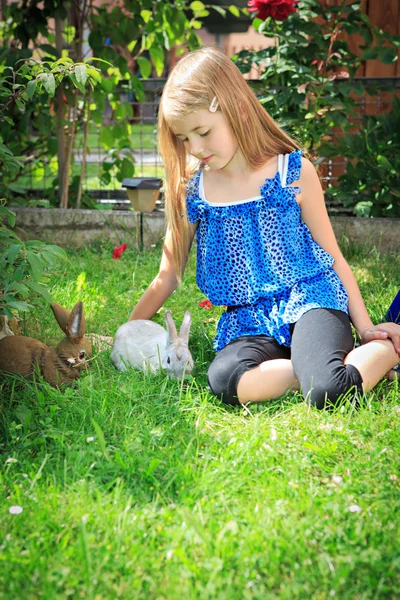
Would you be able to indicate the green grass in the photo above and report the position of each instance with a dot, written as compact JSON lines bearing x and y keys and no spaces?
{"x":133,"y":486}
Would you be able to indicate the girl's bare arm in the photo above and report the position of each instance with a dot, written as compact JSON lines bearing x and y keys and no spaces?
{"x":314,"y":214}
{"x":164,"y":284}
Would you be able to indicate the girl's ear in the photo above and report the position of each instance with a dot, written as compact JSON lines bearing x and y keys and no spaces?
{"x":171,"y":328}
{"x":76,"y":326}
{"x":185,"y":327}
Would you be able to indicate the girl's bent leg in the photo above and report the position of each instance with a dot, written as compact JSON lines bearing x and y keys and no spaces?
{"x":271,"y":379}
{"x":321,"y":340}
{"x":251,"y":369}
{"x":373,"y":361}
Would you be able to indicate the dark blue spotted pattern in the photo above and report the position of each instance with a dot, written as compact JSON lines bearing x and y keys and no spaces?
{"x":260,"y":257}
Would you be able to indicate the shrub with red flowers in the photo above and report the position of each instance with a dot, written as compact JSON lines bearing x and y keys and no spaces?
{"x":307,"y":78}
{"x":277,"y":9}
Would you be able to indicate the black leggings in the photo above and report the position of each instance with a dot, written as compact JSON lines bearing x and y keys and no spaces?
{"x":321,"y":339}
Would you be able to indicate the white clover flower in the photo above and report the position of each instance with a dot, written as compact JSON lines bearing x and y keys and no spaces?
{"x":337,"y":479}
{"x":89,"y":439}
{"x":354,"y":508}
{"x":15,"y":510}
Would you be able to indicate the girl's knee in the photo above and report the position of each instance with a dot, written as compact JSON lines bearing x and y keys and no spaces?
{"x":223,"y":379}
{"x":328,"y":391}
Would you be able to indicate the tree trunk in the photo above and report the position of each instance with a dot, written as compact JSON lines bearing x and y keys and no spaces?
{"x":68,"y":153}
{"x":84,"y":150}
{"x":60,"y":116}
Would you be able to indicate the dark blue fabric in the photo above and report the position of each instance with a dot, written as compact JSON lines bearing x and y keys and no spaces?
{"x":261,"y":256}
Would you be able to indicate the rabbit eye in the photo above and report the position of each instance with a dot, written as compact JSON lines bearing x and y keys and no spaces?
{"x":168,"y":360}
{"x":82,"y":354}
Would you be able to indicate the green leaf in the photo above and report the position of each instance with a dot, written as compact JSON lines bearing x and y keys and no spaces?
{"x":18,"y":305}
{"x":384,"y":163}
{"x":57,"y":251}
{"x":138,"y":88}
{"x":157,"y":56}
{"x":106,"y":137}
{"x":196,"y":6}
{"x":49,"y":83}
{"x":18,"y":273}
{"x":145,"y":14}
{"x":76,"y":83}
{"x":9,"y":214}
{"x":220,"y":10}
{"x":234,"y":10}
{"x":132,"y":45}
{"x":31,"y":88}
{"x":21,"y":289}
{"x":101,"y":60}
{"x":81,"y":74}
{"x":127,"y":168}
{"x":387,"y":54}
{"x":369,"y":54}
{"x":144,"y":66}
{"x":21,"y":104}
{"x":13,"y":252}
{"x":40,"y":289}
{"x":36,"y":266}
{"x":94,"y":74}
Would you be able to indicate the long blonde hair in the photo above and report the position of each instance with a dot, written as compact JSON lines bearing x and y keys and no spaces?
{"x":196,"y":79}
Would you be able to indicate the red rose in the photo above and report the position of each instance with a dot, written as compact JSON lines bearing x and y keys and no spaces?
{"x":277,"y":9}
{"x":117,"y":252}
{"x":205,"y":304}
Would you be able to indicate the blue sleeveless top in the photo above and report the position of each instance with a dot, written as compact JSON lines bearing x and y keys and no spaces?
{"x":258,"y":258}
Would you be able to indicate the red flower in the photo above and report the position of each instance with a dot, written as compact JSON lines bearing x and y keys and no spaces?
{"x":205,"y":304}
{"x":118,"y":251}
{"x":277,"y":9}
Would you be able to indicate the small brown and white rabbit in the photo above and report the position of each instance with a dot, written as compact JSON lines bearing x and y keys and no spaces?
{"x":60,"y":365}
{"x":146,"y":345}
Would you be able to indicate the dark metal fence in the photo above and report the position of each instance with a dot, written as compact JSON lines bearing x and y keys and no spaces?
{"x":144,"y":139}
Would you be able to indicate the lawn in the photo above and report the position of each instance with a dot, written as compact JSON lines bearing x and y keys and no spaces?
{"x":134,"y":486}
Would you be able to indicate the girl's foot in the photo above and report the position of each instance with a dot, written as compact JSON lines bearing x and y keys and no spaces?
{"x":393,"y":373}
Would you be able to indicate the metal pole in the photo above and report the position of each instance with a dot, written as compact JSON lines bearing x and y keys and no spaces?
{"x":141,"y":231}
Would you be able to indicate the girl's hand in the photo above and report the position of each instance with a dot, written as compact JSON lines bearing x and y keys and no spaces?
{"x":383,"y":331}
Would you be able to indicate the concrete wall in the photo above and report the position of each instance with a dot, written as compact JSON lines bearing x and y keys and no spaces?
{"x":75,"y":228}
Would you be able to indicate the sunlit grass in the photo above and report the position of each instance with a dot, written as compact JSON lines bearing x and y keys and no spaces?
{"x":134,"y":486}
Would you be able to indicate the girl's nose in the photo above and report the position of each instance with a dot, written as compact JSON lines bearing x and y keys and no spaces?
{"x":196,"y":147}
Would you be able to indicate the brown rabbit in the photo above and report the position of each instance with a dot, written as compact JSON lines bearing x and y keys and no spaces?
{"x":61,"y":365}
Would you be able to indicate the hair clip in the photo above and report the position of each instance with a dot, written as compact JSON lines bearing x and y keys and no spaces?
{"x":214,"y":105}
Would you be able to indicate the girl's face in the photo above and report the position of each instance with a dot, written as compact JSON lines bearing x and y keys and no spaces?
{"x":208,"y":137}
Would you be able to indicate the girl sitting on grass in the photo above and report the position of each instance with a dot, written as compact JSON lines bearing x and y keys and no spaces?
{"x":265,"y":246}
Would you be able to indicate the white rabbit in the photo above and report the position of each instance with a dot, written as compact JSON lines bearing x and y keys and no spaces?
{"x":146,"y":345}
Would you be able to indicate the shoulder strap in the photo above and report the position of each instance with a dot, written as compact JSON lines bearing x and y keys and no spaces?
{"x":283,"y":163}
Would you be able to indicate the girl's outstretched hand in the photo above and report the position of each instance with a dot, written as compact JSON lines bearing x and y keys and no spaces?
{"x":383,"y":331}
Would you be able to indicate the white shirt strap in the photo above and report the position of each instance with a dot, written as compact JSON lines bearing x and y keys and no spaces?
{"x":283,"y":163}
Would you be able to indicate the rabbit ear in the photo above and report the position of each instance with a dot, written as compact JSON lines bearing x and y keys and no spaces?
{"x":72,"y":323}
{"x":171,"y":328}
{"x":185,"y":327}
{"x":76,"y":326}
{"x":61,"y":314}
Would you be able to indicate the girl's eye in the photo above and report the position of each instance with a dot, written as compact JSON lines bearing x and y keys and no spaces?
{"x":205,"y":134}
